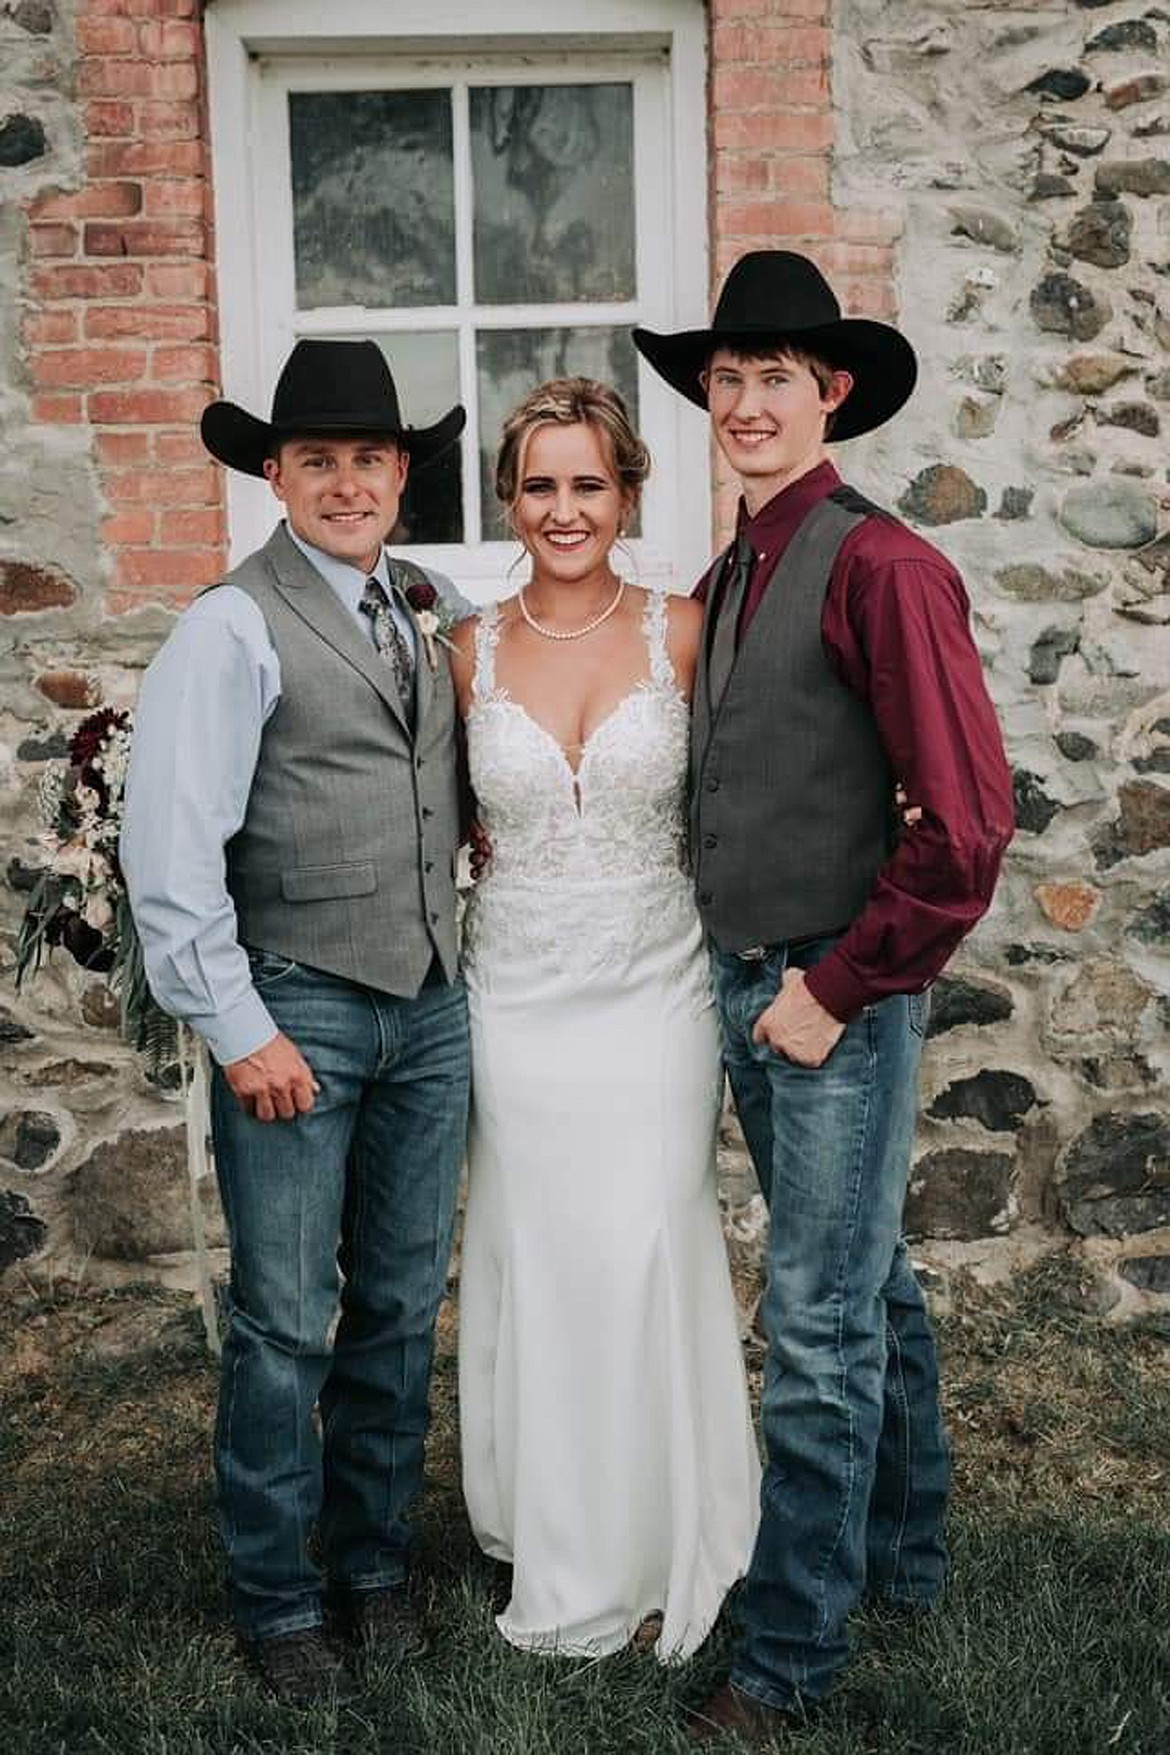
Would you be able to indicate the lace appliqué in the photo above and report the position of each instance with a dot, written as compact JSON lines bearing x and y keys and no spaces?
{"x":587,"y":869}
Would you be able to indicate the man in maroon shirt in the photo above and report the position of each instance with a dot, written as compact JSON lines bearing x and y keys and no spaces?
{"x":836,"y":662}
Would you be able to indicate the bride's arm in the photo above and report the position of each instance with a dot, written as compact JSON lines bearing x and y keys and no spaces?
{"x":684,"y":625}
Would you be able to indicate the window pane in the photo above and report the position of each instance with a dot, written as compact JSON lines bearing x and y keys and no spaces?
{"x":554,"y":193}
{"x":512,"y":362}
{"x":373,"y":198}
{"x":425,"y":365}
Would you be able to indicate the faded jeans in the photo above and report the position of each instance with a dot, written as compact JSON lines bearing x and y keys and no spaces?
{"x":857,"y":1465}
{"x":342,"y":1215}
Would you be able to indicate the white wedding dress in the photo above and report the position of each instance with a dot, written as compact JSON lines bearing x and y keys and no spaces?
{"x":607,"y":1442}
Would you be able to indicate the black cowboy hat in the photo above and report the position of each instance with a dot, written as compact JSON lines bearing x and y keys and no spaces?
{"x":778,"y":295}
{"x":326,"y":387}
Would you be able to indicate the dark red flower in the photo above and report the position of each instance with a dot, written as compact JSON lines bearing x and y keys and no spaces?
{"x":87,"y":740}
{"x":421,"y":595}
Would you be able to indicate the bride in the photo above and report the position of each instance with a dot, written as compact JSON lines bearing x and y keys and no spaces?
{"x":607,"y":1446}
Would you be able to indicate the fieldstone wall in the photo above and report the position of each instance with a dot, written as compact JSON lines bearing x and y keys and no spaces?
{"x":995,"y":176}
{"x":1027,"y":147}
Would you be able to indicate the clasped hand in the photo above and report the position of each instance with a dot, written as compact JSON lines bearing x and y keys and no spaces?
{"x":274,"y":1083}
{"x":796,"y":1025}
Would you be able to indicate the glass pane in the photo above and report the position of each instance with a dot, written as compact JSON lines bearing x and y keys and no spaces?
{"x":373,"y":198}
{"x":512,"y":362}
{"x":553,"y":170}
{"x":425,"y":365}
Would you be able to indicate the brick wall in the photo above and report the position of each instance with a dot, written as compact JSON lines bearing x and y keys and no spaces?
{"x":120,"y":320}
{"x":771,"y":131}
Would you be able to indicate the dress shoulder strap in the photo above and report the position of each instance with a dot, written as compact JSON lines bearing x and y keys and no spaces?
{"x":654,"y":626}
{"x":487,"y":638}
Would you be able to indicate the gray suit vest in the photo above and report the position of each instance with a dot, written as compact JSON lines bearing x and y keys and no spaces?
{"x":791,"y":793}
{"x":346,"y":857}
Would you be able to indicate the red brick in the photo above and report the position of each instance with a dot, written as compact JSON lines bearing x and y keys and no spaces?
{"x":202,"y":528}
{"x":768,"y":88}
{"x":105,"y":77}
{"x":866,"y":298}
{"x":184,"y":365}
{"x":87,"y":281}
{"x":772,"y":9}
{"x":78,"y":368}
{"x":195,"y":486}
{"x":169,"y":39}
{"x":782,"y":130}
{"x":178,"y":280}
{"x":742,"y":173}
{"x":148,"y":322}
{"x":779,"y":45}
{"x":143,"y":8}
{"x":52,"y":240}
{"x":869,"y":225}
{"x":98,"y":200}
{"x":110,"y":119}
{"x":116,"y":408}
{"x":167,"y":569}
{"x":188,"y":448}
{"x":122,"y":448}
{"x":57,"y":410}
{"x":776,"y":219}
{"x":838,"y":257}
{"x":49,"y":328}
{"x":800,"y":177}
{"x":106,"y":36}
{"x":145,"y":238}
{"x":168,"y":121}
{"x":146,"y":158}
{"x":128,"y":527}
{"x":184,"y":197}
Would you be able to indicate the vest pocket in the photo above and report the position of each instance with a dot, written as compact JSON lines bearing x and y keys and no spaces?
{"x":327,"y":883}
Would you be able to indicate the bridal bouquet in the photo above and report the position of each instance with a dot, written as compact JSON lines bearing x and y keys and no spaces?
{"x":79,"y":899}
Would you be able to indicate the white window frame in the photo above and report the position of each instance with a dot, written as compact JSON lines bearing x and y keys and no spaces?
{"x":259,"y":49}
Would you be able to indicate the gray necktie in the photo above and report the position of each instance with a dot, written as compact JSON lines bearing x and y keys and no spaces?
{"x":724,"y":643}
{"x":390,"y":640}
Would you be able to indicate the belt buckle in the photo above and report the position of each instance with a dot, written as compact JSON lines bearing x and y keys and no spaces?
{"x":753,"y":954}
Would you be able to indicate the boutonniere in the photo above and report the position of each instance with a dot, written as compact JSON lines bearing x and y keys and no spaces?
{"x":432,"y":616}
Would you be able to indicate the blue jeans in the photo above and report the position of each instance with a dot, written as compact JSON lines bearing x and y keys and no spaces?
{"x":857,"y":1466}
{"x":343,"y":1214}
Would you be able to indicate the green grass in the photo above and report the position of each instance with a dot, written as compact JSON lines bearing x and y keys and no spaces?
{"x":1054,"y":1638}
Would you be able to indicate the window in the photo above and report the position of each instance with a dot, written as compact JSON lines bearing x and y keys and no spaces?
{"x":491,"y":215}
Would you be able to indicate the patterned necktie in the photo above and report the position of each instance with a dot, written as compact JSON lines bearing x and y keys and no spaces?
{"x":727,"y":621}
{"x":390,"y":640}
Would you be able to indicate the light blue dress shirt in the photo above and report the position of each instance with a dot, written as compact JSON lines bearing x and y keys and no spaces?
{"x":204,"y":703}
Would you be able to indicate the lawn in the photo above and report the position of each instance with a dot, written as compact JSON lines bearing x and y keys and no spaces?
{"x":1054,"y":1638}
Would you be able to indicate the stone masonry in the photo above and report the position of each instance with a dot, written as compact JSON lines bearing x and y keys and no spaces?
{"x":994,"y":177}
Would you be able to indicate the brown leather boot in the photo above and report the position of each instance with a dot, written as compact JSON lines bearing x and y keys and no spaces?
{"x":728,"y":1711}
{"x":298,"y":1669}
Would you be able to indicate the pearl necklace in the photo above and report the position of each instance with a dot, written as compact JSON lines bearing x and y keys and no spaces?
{"x":573,"y":633}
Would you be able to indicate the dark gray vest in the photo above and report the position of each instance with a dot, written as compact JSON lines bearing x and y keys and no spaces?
{"x":346,"y":857}
{"x":791,"y":792}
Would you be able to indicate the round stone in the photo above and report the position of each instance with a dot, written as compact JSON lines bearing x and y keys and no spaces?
{"x":1029,"y":582}
{"x":1088,"y":374}
{"x":1100,"y":234}
{"x":942,"y":494}
{"x":1110,"y":514}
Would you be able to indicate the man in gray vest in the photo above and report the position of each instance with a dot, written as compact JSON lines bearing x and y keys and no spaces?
{"x":289,"y":846}
{"x":836,"y":661}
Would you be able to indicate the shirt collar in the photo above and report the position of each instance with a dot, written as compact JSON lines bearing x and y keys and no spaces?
{"x":348,"y":582}
{"x":778,"y":517}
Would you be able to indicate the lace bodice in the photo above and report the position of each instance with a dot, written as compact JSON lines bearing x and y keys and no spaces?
{"x":595,"y":852}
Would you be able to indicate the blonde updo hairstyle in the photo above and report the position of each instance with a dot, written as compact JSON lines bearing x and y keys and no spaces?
{"x":567,"y":402}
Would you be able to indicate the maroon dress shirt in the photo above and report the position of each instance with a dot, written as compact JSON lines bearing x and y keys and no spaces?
{"x":896,"y":630}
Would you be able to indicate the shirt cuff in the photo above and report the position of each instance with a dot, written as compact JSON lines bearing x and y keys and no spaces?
{"x":832,"y":986}
{"x":242,"y":1029}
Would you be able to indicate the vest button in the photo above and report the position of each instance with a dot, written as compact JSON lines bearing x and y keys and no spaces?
{"x":706,"y":898}
{"x":712,"y":783}
{"x":710,"y":840}
{"x":427,"y":811}
{"x":434,"y":918}
{"x":428,"y":865}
